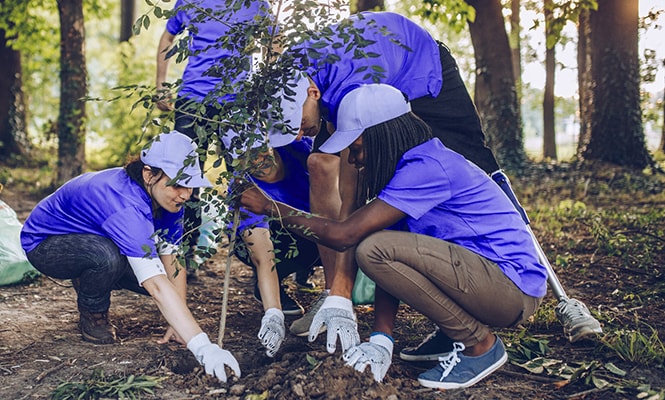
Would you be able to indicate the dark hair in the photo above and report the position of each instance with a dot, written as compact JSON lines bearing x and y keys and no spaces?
{"x":134,"y":169}
{"x":384,"y":145}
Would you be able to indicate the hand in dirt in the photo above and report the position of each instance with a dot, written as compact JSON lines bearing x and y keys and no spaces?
{"x":272,"y":331}
{"x":171,"y":334}
{"x":377,"y":353}
{"x":337,"y":315}
{"x":212,"y":357}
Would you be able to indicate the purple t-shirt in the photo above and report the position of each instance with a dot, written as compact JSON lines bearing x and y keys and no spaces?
{"x":105,"y":203}
{"x":408,"y":56}
{"x":293,"y":189}
{"x":204,"y":50}
{"x":447,"y":197}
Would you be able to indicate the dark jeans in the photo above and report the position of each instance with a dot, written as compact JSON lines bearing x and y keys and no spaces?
{"x":94,"y":260}
{"x":453,"y":116}
{"x":304,"y":261}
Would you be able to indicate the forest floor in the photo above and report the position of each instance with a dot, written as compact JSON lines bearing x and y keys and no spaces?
{"x":604,"y":231}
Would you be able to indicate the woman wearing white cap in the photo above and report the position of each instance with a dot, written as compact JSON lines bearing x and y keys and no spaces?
{"x":119,"y":229}
{"x":436,"y":233}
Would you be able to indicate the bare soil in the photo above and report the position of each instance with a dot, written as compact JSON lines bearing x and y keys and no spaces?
{"x":41,"y":347}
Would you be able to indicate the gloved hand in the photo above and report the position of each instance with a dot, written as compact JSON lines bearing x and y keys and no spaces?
{"x":272,"y":331}
{"x":212,"y":357}
{"x":377,"y":353}
{"x":337,"y":314}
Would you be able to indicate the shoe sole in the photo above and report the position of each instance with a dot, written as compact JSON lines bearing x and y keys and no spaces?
{"x":91,"y":339}
{"x":424,"y":357}
{"x":461,"y":385}
{"x":299,"y":311}
{"x":306,"y":333}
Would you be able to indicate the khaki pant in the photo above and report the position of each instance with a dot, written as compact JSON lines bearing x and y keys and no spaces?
{"x":461,"y":292}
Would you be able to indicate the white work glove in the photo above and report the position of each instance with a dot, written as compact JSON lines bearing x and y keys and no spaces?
{"x":212,"y":357}
{"x":377,"y":353}
{"x":272,"y":331}
{"x":337,"y":315}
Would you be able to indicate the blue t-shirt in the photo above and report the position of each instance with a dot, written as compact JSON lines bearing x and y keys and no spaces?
{"x":204,"y":31}
{"x":408,"y":56}
{"x":447,"y":197}
{"x":105,"y":203}
{"x":292,"y":190}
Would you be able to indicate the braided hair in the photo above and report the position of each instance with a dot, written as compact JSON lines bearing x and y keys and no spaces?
{"x":384,"y":145}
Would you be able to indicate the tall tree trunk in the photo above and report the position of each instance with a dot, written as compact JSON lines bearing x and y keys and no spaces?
{"x":127,"y":18}
{"x":617,"y":134}
{"x":73,"y":89}
{"x":495,"y":93}
{"x":515,"y":47}
{"x":13,"y":134}
{"x":662,"y":128}
{"x":549,"y":134}
{"x":584,"y":81}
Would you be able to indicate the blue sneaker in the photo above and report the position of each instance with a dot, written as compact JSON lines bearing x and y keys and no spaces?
{"x":456,"y":371}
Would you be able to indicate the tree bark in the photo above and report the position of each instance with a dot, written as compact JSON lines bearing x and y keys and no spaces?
{"x":616,"y":131}
{"x":127,"y":18}
{"x":662,"y":128}
{"x":14,"y":142}
{"x":584,"y":80}
{"x":549,"y":134}
{"x":516,"y":55}
{"x":495,"y":93}
{"x":73,"y":89}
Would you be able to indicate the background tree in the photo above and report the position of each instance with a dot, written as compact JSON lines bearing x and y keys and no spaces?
{"x":367,"y":5}
{"x":515,"y":43}
{"x":612,"y":77}
{"x":127,"y":18}
{"x":73,"y":90}
{"x":13,"y":135}
{"x":495,"y":92}
{"x":549,"y":134}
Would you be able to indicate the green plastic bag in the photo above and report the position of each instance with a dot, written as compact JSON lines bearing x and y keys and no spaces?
{"x":363,"y":289}
{"x":14,"y":265}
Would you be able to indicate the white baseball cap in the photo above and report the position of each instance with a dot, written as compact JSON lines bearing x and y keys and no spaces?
{"x":361,"y":108}
{"x":175,"y":154}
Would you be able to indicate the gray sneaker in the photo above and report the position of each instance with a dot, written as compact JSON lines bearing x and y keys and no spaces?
{"x":300,"y":327}
{"x":576,"y":319}
{"x":456,"y":371}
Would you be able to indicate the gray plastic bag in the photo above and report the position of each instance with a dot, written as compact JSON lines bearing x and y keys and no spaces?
{"x":14,"y":265}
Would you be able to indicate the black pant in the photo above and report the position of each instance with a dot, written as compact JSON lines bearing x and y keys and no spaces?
{"x":96,"y":262}
{"x":453,"y":116}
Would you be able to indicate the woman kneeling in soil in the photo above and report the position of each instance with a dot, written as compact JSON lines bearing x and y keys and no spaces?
{"x":118,"y":229}
{"x":437,"y":234}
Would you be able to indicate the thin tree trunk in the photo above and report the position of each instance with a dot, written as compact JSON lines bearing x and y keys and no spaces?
{"x":584,"y":81}
{"x":662,"y":129}
{"x":127,"y":18}
{"x":368,"y":5}
{"x":515,"y":46}
{"x":549,"y":134}
{"x":73,"y":89}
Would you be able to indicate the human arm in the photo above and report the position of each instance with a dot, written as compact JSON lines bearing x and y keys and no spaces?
{"x":176,"y":274}
{"x":261,"y":252}
{"x":339,"y":235}
{"x":162,"y":62}
{"x":176,"y":313}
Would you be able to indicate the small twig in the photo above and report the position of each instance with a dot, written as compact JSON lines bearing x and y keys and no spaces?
{"x":17,"y":351}
{"x":584,"y":393}
{"x":532,"y":377}
{"x":49,"y":371}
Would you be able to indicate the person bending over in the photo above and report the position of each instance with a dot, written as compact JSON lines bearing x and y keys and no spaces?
{"x":119,"y":228}
{"x":434,"y":232}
